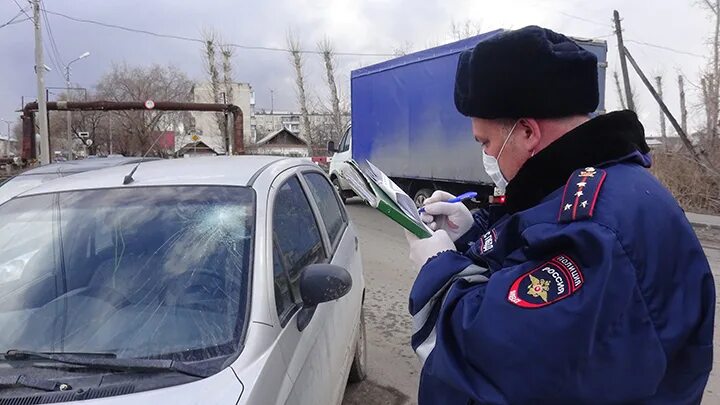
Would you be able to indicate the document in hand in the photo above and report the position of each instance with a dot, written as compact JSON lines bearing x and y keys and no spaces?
{"x":381,"y":193}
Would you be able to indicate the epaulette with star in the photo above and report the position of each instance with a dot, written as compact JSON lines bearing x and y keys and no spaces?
{"x":581,"y":194}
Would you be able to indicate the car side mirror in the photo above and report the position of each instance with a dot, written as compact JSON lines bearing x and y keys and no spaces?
{"x":321,"y":283}
{"x":331,"y":147}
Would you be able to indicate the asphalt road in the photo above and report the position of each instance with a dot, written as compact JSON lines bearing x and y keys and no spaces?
{"x":393,"y":368}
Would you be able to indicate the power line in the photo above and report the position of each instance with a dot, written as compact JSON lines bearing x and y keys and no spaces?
{"x":665,"y":48}
{"x":12,"y":19}
{"x":275,"y":49}
{"x":627,"y":40}
{"x":197,"y":40}
{"x":575,"y":17}
{"x":20,"y":21}
{"x":583,"y":19}
{"x":51,"y":37}
{"x":22,"y":10}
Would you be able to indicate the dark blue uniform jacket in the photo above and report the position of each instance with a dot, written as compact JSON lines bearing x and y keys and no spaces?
{"x":597,"y":289}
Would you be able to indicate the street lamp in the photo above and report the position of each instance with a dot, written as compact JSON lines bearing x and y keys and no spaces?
{"x":67,"y":92}
{"x":7,"y":141}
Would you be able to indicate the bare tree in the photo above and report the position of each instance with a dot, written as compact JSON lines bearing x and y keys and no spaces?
{"x":227,"y":53}
{"x":465,"y":29}
{"x":403,"y":48}
{"x":328,"y":55}
{"x":683,"y":108}
{"x":125,"y":83}
{"x":711,"y":77}
{"x":295,"y":52}
{"x":211,"y":68}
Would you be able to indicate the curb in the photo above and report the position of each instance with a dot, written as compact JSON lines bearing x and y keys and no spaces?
{"x":697,"y":221}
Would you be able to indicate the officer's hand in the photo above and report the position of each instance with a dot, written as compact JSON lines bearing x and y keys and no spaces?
{"x":423,"y":249}
{"x":453,"y":218}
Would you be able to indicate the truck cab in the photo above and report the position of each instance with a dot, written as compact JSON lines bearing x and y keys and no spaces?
{"x":341,"y":154}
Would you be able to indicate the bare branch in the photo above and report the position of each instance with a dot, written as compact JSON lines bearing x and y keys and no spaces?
{"x":293,"y":44}
{"x":712,"y":7}
{"x":328,"y":54}
{"x":227,"y":53}
{"x":466,"y":29}
{"x":125,"y":83}
{"x":211,"y":39}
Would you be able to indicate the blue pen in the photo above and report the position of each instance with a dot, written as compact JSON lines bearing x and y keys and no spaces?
{"x":461,"y":197}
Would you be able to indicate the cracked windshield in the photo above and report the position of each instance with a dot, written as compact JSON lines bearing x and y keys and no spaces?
{"x":146,"y":272}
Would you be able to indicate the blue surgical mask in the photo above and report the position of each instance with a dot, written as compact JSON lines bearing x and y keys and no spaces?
{"x":492,"y":165}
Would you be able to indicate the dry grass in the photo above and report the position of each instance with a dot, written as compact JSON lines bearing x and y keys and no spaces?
{"x":693,"y":186}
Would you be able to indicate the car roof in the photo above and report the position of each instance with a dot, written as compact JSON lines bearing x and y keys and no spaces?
{"x":79,"y":166}
{"x":214,"y":170}
{"x":32,"y":178}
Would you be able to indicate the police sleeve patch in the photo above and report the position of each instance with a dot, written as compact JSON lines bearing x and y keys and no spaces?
{"x":550,"y":282}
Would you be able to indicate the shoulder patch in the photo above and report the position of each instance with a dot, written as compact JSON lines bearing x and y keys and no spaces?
{"x":548,"y":283}
{"x":487,"y":241}
{"x":580,"y":194}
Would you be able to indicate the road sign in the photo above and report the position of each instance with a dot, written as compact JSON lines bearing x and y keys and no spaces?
{"x":149,"y":104}
{"x":84,"y":135}
{"x":195,"y":138}
{"x":88,"y":142}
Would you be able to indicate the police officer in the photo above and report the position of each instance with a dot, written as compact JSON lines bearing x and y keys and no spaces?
{"x":590,"y":286}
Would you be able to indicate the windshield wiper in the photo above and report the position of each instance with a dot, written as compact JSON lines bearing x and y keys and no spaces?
{"x":108,"y":361}
{"x":32,"y":382}
{"x":26,"y":354}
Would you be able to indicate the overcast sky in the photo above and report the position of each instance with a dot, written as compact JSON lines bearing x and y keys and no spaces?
{"x":362,"y":26}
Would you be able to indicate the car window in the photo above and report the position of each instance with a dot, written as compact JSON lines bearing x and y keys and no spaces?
{"x":283,"y":296}
{"x":347,"y":139}
{"x":327,"y":202}
{"x":297,"y":239}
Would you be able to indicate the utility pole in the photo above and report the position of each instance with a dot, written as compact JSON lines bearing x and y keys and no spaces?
{"x":67,"y":94}
{"x":658,"y":81}
{"x":623,"y":63}
{"x":69,"y":114}
{"x":619,"y":91}
{"x":683,"y":136}
{"x":40,"y":73}
{"x":111,"y":145}
{"x":272,"y":101}
{"x":683,"y":109}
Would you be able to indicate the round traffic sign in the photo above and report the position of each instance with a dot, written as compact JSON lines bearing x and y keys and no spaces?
{"x":149,"y":104}
{"x":88,"y":142}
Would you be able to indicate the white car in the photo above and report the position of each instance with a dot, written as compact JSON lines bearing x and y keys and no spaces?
{"x":341,"y":154}
{"x":219,"y":280}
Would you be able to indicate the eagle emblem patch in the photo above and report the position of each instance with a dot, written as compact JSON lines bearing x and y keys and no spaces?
{"x":550,"y":282}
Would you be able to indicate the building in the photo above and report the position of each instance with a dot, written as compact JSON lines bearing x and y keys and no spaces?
{"x":265,"y":123}
{"x":8,"y":147}
{"x":198,"y":148}
{"x":205,"y":123}
{"x":257,"y":125}
{"x":282,"y":142}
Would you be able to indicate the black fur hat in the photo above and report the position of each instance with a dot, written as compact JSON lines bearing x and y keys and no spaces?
{"x":531,"y":72}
